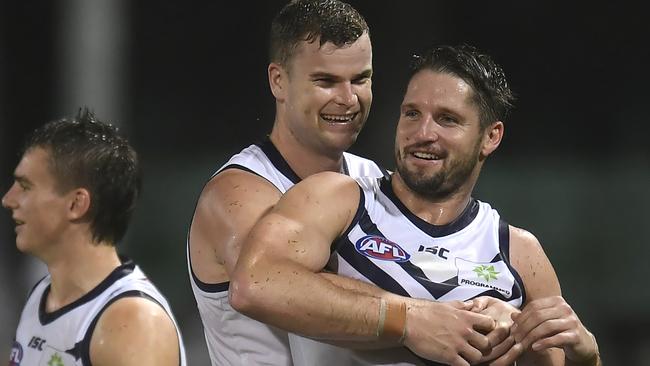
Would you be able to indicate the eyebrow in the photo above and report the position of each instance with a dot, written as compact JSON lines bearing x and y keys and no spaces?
{"x":319,"y":75}
{"x":23,"y":180}
{"x":408,"y":106}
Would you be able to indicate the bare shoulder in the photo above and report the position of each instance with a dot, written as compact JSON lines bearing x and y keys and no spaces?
{"x":323,"y":195}
{"x":529,"y":259}
{"x":235,"y":190}
{"x":326,"y":184}
{"x":228,"y":207}
{"x":134,"y":331}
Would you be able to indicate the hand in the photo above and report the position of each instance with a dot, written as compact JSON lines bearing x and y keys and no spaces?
{"x":447,"y":332}
{"x":550,"y":322}
{"x":499,"y":338}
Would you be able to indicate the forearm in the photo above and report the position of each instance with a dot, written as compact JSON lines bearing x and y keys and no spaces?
{"x":293,"y":298}
{"x":358,"y":286}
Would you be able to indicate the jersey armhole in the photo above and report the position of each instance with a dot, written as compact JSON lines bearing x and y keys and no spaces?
{"x":504,"y":248}
{"x":82,"y":348}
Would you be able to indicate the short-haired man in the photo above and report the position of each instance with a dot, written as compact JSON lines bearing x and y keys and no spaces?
{"x":418,"y":234}
{"x":73,"y":194}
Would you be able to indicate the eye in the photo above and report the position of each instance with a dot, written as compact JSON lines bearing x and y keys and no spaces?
{"x":361,"y":80}
{"x":447,"y":119}
{"x":324,"y":82}
{"x":411,"y":114}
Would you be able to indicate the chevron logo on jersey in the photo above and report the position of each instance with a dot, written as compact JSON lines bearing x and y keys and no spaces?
{"x":16,"y":354}
{"x":378,"y":247}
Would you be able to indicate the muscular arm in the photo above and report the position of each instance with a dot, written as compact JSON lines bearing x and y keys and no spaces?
{"x":276,"y":280}
{"x":547,"y":331}
{"x":229,"y":206}
{"x":134,"y":331}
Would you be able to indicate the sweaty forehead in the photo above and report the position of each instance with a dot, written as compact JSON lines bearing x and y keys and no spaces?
{"x":312,"y":54}
{"x":430,"y":86}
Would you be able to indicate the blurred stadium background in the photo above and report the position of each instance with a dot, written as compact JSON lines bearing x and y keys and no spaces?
{"x":186,"y":81}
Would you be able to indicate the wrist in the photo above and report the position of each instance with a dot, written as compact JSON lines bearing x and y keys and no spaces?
{"x":591,"y":358}
{"x":391,"y":324}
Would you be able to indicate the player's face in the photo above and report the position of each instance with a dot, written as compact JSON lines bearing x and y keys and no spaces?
{"x":438,"y":141}
{"x":38,"y":210}
{"x":329,"y":94}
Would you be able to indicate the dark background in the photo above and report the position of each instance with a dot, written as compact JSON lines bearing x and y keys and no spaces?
{"x":186,"y":81}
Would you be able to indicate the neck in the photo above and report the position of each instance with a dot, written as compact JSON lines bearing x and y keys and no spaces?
{"x":304,"y":160}
{"x":78,"y":268}
{"x":436,"y":212}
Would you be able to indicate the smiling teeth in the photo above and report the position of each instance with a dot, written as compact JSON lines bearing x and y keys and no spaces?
{"x":338,"y":118}
{"x":428,"y":156}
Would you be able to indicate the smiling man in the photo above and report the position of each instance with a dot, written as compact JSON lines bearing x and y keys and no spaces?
{"x":420,"y":235}
{"x":320,"y":75}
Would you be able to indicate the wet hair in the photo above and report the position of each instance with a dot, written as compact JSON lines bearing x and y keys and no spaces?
{"x":87,"y":153}
{"x":492,"y":93}
{"x":306,"y":20}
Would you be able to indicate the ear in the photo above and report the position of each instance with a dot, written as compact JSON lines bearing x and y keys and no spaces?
{"x":492,"y":138}
{"x":79,"y":203}
{"x":277,"y":81}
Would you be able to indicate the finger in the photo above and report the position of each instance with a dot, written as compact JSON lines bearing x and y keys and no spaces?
{"x":460,"y":305}
{"x":470,"y":354}
{"x":498,"y":335}
{"x":509,"y":358}
{"x":559,"y":340}
{"x":546,"y":329}
{"x":532,"y":320}
{"x":498,"y":350}
{"x":502,"y":348}
{"x":482,"y":323}
{"x":538,"y":305}
{"x":479,"y":342}
{"x":480,"y":304}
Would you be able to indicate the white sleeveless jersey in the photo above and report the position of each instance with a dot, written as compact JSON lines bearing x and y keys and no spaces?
{"x":62,"y":337}
{"x":235,"y":339}
{"x":389,"y":246}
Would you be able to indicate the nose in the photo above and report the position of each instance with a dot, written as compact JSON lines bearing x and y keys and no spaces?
{"x":427,"y":129}
{"x":7,"y":200}
{"x":345,"y":95}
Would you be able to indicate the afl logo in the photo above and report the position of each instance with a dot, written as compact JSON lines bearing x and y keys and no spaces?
{"x":378,"y":247}
{"x":16,"y":355}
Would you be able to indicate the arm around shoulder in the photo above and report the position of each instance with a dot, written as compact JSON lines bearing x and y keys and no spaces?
{"x":135,"y":331}
{"x":277,"y":278}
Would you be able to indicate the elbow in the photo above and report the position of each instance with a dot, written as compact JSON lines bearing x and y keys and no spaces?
{"x":242,"y":294}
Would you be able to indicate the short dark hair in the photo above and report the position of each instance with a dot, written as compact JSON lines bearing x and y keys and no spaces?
{"x":305,"y":20}
{"x":491,"y":90}
{"x":85,"y":152}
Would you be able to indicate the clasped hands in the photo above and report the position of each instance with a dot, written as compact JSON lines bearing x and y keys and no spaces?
{"x":543,"y":324}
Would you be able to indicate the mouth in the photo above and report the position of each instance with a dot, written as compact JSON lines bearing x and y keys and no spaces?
{"x":339,"y":118}
{"x":426,"y":155}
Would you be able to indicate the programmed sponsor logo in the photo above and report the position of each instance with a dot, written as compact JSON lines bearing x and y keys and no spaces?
{"x":378,"y":247}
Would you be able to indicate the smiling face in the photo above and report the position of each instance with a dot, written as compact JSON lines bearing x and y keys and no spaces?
{"x":324,"y":94}
{"x":38,"y":209}
{"x":439,"y":142}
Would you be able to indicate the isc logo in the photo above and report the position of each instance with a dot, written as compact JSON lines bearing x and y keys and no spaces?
{"x":381,"y":248}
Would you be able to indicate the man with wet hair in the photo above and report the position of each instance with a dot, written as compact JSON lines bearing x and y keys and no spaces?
{"x":420,"y":236}
{"x":73,"y":194}
{"x":319,"y":73}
